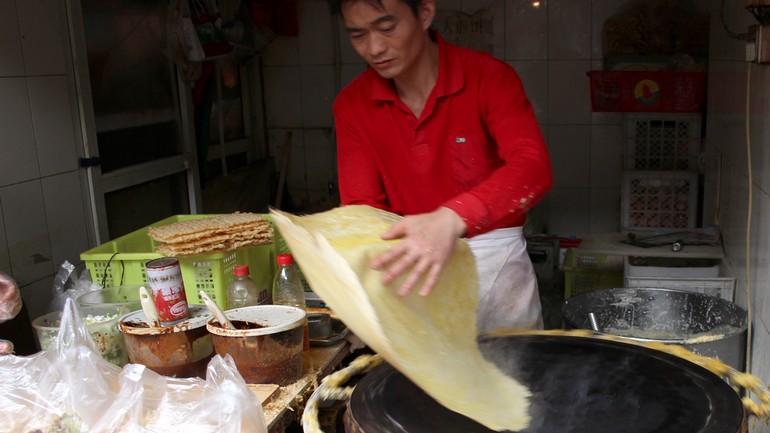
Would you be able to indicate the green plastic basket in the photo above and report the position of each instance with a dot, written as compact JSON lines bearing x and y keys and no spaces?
{"x":123,"y":261}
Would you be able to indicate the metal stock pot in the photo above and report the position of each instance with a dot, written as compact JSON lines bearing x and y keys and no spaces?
{"x":706,"y":325}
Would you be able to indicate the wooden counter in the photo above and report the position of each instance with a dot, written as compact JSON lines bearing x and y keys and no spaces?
{"x":284,"y":407}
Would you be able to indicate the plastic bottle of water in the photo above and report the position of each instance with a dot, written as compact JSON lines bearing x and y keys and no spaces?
{"x":287,"y":286}
{"x":288,"y":289}
{"x":243,"y":291}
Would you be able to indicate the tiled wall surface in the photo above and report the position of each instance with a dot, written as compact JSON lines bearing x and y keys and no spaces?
{"x":42,"y":217}
{"x":737,"y":198}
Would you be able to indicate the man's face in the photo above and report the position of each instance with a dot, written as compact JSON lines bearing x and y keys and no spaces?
{"x":388,"y":38}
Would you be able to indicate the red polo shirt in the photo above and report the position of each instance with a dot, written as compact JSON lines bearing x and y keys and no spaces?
{"x":476,"y":148}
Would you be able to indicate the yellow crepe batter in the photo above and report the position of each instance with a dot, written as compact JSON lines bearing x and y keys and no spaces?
{"x":431,"y":340}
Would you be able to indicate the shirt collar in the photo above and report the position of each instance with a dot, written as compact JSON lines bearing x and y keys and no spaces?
{"x":450,"y":73}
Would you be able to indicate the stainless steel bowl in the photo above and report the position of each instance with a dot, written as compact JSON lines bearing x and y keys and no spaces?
{"x":707,"y":325}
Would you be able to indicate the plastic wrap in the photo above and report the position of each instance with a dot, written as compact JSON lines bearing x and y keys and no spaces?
{"x":70,"y":388}
{"x":68,"y":285}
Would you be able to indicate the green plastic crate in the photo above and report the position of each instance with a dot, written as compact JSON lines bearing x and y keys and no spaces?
{"x":123,"y":261}
{"x":586,"y":272}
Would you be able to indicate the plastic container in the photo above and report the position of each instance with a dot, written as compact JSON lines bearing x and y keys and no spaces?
{"x":706,"y":279}
{"x":181,"y":350}
{"x":647,"y":91}
{"x":267,"y":344}
{"x":661,"y":141}
{"x":102,"y":324}
{"x":120,"y":296}
{"x":243,"y":291}
{"x":659,"y":199}
{"x":670,"y":267}
{"x":122,"y":262}
{"x":586,"y":272}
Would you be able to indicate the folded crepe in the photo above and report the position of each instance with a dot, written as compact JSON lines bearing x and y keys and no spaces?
{"x":431,"y":340}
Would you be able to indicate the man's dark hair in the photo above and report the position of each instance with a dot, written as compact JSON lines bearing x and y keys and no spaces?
{"x":336,"y":5}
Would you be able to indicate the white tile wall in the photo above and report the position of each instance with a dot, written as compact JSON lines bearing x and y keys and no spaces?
{"x":570,"y":148}
{"x":26,"y":231}
{"x":65,"y":216}
{"x":53,"y":124}
{"x":569,"y":29}
{"x":38,"y":296}
{"x":315,"y":33}
{"x":283,"y":96}
{"x":44,"y":36}
{"x":320,"y":153}
{"x":317,"y":87}
{"x":19,"y":161}
{"x":526,"y":30}
{"x":534,"y":77}
{"x":605,"y":210}
{"x":349,"y":72}
{"x":569,"y":97}
{"x":569,"y":211}
{"x":607,"y":146}
{"x":282,"y":51}
{"x":11,"y":58}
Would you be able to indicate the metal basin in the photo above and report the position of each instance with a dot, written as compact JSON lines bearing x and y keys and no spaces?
{"x":706,"y":325}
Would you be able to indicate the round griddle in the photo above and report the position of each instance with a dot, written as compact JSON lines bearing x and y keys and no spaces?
{"x":579,"y":385}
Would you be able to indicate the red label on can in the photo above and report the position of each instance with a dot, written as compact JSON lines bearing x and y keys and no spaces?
{"x":165,"y":278}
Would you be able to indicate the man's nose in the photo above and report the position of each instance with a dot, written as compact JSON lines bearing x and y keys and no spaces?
{"x":376,"y":45}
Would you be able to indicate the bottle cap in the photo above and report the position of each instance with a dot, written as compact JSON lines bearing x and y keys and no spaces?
{"x":241,"y":270}
{"x":284,"y":259}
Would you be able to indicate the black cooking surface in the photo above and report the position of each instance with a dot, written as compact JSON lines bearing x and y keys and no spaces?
{"x":579,"y":385}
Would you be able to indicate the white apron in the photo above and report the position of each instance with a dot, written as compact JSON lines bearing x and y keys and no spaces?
{"x":508,"y":295}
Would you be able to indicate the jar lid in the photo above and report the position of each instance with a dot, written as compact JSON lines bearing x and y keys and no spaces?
{"x":136,"y":322}
{"x":241,"y":270}
{"x":284,"y":259}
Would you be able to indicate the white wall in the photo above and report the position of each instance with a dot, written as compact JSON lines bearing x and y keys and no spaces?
{"x":42,"y":219}
{"x":729,"y":201}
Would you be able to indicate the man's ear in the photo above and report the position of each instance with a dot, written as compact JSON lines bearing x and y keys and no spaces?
{"x":427,"y":12}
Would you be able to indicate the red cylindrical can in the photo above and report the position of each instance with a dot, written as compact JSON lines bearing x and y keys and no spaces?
{"x":165,"y":278}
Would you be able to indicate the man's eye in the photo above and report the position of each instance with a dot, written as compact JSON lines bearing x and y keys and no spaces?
{"x":388,"y":29}
{"x":356,"y":36}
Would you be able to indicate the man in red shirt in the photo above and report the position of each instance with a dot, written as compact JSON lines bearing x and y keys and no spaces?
{"x":446,"y":137}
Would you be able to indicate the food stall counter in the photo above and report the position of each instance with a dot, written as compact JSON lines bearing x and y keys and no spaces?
{"x":283,"y":406}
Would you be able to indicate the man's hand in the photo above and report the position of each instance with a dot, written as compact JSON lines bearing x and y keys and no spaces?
{"x":6,"y":347}
{"x":428,"y":242}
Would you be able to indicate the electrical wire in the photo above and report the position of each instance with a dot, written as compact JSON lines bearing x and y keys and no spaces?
{"x":730,"y":33}
{"x":748,"y":220}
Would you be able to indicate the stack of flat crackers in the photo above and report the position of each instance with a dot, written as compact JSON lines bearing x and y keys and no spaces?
{"x":212,"y":234}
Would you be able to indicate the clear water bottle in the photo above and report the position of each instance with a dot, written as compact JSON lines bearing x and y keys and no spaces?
{"x":288,"y":290}
{"x":287,"y":285}
{"x":243,"y":291}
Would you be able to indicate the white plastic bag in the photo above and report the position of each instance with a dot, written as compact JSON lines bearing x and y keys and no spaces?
{"x":67,"y":284}
{"x":10,"y":298}
{"x":70,"y":388}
